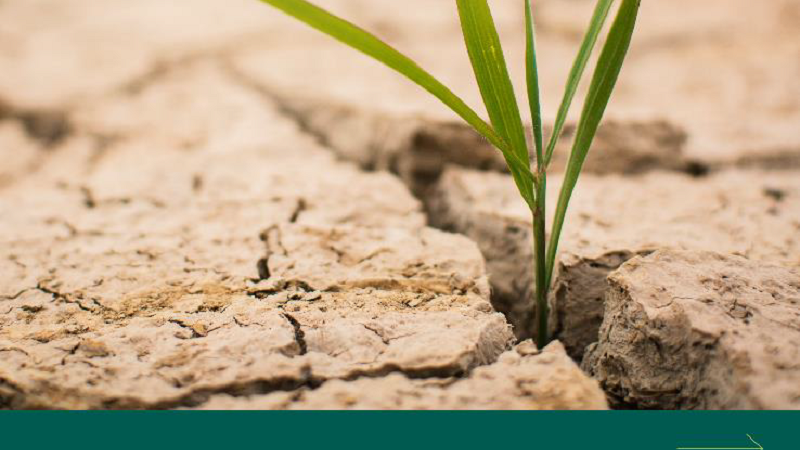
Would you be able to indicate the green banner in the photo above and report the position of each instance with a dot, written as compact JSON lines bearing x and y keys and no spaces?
{"x":406,"y":430}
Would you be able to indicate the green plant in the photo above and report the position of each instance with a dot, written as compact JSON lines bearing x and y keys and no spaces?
{"x":506,"y":131}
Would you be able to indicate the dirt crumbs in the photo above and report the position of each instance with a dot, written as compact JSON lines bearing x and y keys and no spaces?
{"x":700,"y":330}
{"x":522,"y":378}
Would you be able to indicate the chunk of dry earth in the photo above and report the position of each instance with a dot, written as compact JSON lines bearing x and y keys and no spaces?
{"x":700,"y":330}
{"x":521,"y":379}
{"x":612,"y":219}
{"x":201,"y":256}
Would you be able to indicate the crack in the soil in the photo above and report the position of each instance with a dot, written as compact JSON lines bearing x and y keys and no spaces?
{"x":299,"y":209}
{"x":56,"y":295}
{"x":15,"y":349}
{"x":18,"y":294}
{"x":272,"y":239}
{"x":197,"y":332}
{"x":48,"y":127}
{"x":383,"y":339}
{"x":60,"y":296}
{"x":263,"y":269}
{"x":90,"y":201}
{"x":198,"y":397}
{"x":276,"y":101}
{"x":162,"y":67}
{"x":299,"y":334}
{"x":70,"y":352}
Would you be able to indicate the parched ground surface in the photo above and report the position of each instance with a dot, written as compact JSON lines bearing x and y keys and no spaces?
{"x":204,"y":204}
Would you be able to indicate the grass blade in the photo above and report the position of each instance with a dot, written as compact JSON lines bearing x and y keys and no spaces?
{"x":370,"y":45}
{"x":539,"y":219}
{"x":603,"y":82}
{"x":491,"y":73}
{"x":532,"y":78}
{"x":576,"y":73}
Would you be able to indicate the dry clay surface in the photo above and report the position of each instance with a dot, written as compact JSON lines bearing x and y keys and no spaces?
{"x":611,"y":219}
{"x":187,"y":240}
{"x":174,"y":229}
{"x":700,"y":330}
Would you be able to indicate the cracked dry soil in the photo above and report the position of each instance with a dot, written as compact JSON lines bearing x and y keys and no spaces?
{"x":195,"y":217}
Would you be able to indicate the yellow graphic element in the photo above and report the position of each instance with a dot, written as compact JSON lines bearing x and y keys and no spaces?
{"x":757,"y":447}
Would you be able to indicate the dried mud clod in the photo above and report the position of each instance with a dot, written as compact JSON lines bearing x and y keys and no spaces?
{"x":136,"y":289}
{"x":523,"y":378}
{"x":611,"y":220}
{"x":698,"y":330}
{"x":141,"y":309}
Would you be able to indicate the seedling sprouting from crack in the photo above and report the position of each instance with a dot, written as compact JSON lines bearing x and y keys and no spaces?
{"x":505,"y":129}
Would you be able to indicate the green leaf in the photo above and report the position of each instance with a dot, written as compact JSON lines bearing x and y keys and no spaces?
{"x":491,"y":73}
{"x":532,"y":78}
{"x":367,"y":43}
{"x":539,"y":240}
{"x":603,"y":82}
{"x":370,"y":45}
{"x":576,"y":73}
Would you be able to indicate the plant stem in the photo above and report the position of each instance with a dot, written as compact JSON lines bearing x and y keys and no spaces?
{"x":540,"y":261}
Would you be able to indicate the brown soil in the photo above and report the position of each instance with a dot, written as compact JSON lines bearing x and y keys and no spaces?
{"x":225,"y":210}
{"x":700,"y":330}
